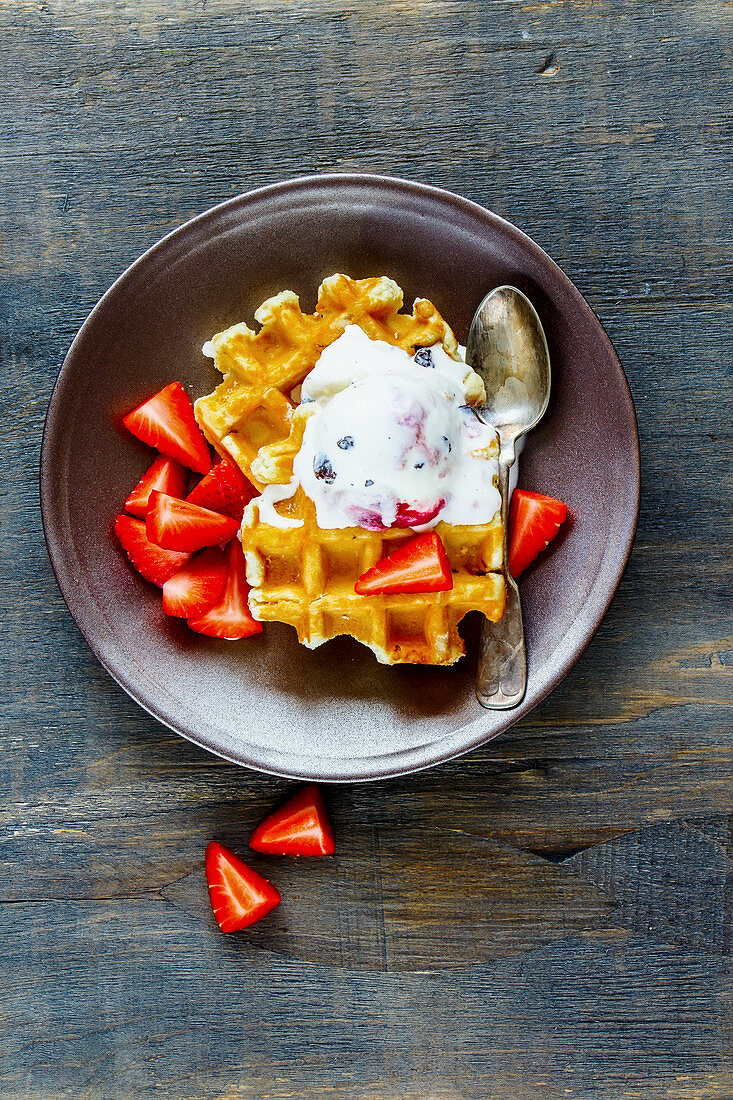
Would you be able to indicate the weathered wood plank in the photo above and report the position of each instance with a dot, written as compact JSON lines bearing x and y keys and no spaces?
{"x":600,"y":128}
{"x":413,"y":899}
{"x":185,"y":1011}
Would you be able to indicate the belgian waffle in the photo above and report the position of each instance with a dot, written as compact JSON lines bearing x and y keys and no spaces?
{"x":302,"y":574}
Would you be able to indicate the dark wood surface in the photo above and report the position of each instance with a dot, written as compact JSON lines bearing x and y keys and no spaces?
{"x":548,"y":917}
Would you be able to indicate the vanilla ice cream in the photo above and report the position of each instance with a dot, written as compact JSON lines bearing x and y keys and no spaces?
{"x":392,"y":440}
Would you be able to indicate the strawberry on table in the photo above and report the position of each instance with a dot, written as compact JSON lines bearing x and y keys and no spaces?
{"x":301,"y":827}
{"x":166,"y":475}
{"x":239,"y":896}
{"x":224,"y":489}
{"x":166,"y":421}
{"x":534,"y":520}
{"x":197,"y":586}
{"x":177,"y":525}
{"x":155,"y":564}
{"x":230,"y":617}
{"x":421,"y":565}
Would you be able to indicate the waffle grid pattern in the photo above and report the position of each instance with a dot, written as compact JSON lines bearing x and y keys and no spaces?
{"x":304,"y":576}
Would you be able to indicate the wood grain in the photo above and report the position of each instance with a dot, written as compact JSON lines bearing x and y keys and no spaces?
{"x":549,"y":916}
{"x":390,"y":897}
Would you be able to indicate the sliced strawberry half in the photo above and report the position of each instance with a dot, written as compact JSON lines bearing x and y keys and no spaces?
{"x":299,"y":828}
{"x":155,"y":564}
{"x":197,"y":586}
{"x":166,"y":475}
{"x":230,"y":617}
{"x":224,"y":489}
{"x":534,"y":520}
{"x":421,"y":565}
{"x":239,"y":896}
{"x":177,"y":525}
{"x":166,"y":421}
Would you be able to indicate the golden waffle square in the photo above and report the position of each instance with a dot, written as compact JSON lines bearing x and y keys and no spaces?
{"x":304,"y":575}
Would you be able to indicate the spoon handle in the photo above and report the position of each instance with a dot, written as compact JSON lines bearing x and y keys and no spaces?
{"x":501,"y":677}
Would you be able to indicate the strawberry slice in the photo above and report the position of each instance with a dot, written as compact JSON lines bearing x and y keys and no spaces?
{"x":299,"y":828}
{"x":230,"y":617}
{"x":166,"y":475}
{"x":155,"y":564}
{"x":534,"y":520}
{"x":421,"y":565}
{"x":197,"y":586}
{"x":239,"y":896}
{"x":177,"y":525}
{"x":166,"y":421}
{"x":224,"y":489}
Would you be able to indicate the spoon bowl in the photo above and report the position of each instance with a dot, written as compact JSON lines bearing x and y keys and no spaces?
{"x":508,"y":348}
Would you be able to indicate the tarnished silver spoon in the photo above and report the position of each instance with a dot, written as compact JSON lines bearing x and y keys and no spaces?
{"x":507,"y":347}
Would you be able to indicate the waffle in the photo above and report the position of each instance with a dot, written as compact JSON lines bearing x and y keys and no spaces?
{"x":304,"y":575}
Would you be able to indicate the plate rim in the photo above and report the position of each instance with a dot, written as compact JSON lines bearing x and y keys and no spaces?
{"x":55,"y":544}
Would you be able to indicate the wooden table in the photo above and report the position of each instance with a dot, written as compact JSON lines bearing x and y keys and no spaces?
{"x":548,"y":917}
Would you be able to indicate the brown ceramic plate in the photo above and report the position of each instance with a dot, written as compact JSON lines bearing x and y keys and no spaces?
{"x":334,"y":713}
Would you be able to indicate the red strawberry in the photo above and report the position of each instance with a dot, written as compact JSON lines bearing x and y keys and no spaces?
{"x":155,"y":564}
{"x":166,"y":421}
{"x":230,"y":617}
{"x":196,"y":587}
{"x":299,"y":828}
{"x":534,"y":520}
{"x":166,"y":475}
{"x":224,"y":489}
{"x":239,"y":896}
{"x":421,"y":565}
{"x":177,"y":525}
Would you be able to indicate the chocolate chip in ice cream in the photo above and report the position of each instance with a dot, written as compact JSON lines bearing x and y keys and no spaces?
{"x":323,"y":469}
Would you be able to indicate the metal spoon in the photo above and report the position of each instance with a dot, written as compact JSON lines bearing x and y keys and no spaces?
{"x":507,"y":347}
